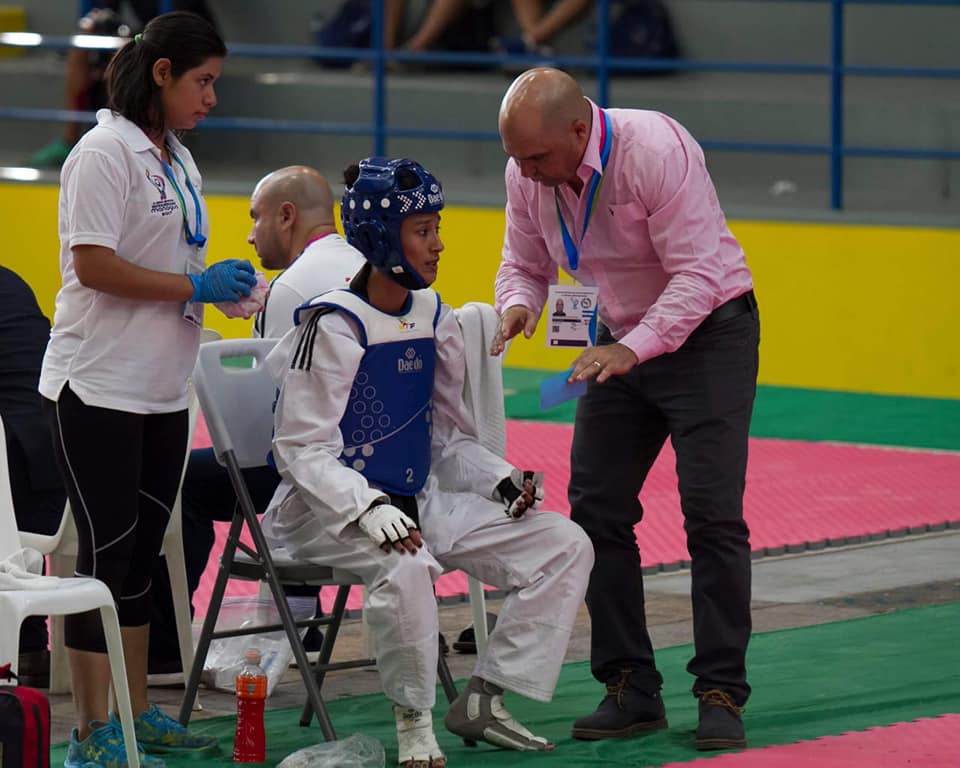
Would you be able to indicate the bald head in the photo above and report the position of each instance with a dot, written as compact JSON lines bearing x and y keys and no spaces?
{"x":289,"y":207}
{"x":305,"y":187}
{"x":546,"y":98}
{"x":545,"y":124}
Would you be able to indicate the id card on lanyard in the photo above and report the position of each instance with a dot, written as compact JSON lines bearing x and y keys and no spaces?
{"x":573,"y":321}
{"x":572,"y":315}
{"x":192,"y":311}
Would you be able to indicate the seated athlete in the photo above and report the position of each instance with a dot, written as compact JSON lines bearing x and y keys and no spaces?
{"x":383,"y":476}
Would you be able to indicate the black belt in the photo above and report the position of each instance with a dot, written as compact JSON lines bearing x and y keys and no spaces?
{"x":744,"y":303}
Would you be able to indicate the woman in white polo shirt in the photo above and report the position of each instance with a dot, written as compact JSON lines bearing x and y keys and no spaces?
{"x":133,"y":230}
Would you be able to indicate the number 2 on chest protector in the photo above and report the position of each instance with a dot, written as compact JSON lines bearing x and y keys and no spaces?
{"x":409,"y":474}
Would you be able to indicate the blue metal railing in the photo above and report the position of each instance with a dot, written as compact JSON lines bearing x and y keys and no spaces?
{"x":600,"y":63}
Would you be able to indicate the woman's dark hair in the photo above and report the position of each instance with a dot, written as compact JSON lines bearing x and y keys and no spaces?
{"x":185,"y":38}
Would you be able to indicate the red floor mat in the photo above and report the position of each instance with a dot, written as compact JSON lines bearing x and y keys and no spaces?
{"x":799,"y":494}
{"x":920,"y":744}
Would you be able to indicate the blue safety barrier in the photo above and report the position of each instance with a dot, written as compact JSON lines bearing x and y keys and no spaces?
{"x":600,"y":63}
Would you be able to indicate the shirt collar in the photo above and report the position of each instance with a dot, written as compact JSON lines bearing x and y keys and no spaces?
{"x":591,"y":155}
{"x":131,"y":134}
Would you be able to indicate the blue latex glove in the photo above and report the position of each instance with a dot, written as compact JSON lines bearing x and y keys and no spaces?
{"x":228,"y":280}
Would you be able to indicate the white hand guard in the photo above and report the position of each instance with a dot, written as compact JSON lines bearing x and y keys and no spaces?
{"x":385,"y":524}
{"x":510,"y":490}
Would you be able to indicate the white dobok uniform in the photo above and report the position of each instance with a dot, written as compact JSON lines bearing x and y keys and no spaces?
{"x":542,"y":561}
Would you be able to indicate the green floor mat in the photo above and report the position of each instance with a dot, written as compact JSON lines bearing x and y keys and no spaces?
{"x":808,"y":682}
{"x":795,"y":414}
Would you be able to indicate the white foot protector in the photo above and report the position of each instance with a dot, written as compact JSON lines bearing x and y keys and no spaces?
{"x":416,"y":742}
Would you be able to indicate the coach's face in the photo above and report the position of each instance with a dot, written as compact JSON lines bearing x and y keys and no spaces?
{"x":546,"y":153}
{"x":269,"y":230}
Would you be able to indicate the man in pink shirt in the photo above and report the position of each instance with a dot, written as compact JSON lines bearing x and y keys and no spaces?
{"x":620,"y":199}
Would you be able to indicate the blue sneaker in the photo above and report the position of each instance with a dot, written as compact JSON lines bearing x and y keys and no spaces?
{"x":159,"y":734}
{"x":103,"y":748}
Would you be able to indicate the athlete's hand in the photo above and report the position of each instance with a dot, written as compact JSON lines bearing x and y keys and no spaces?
{"x":520,"y":491}
{"x":390,"y":529}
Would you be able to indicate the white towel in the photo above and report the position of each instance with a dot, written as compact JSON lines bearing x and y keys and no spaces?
{"x":23,"y":569}
{"x":483,"y":381}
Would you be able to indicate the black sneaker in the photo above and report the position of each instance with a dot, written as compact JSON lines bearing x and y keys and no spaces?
{"x":721,"y":721}
{"x":466,"y":641}
{"x":625,"y":711}
{"x":164,"y":673}
{"x":313,"y":640}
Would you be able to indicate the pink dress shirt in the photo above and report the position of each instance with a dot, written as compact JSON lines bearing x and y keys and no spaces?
{"x":657,"y":246}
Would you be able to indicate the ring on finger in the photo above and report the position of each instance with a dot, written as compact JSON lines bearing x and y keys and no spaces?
{"x":597,"y":363}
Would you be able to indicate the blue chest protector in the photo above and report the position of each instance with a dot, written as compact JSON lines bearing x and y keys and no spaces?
{"x":387,"y":424}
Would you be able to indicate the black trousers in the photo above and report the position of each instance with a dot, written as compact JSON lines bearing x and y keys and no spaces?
{"x":701,"y":397}
{"x":121,"y":471}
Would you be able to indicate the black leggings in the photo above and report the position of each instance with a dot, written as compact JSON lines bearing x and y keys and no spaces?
{"x":122,"y":471}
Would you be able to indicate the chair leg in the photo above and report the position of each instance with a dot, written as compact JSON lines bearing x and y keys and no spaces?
{"x":61,"y":680}
{"x":293,"y":634}
{"x":478,"y":607}
{"x":10,"y":636}
{"x":446,"y":679}
{"x":118,"y":672}
{"x":326,"y":651}
{"x":177,"y":570}
{"x":192,"y":683}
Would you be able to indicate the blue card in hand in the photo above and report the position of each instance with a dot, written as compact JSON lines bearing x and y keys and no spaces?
{"x":556,"y":390}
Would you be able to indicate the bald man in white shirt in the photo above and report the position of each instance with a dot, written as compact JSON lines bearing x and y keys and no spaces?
{"x":293,"y":230}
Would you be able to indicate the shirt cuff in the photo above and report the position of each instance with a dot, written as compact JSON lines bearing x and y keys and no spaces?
{"x":93,"y":238}
{"x":518,"y":300}
{"x":644,"y":343}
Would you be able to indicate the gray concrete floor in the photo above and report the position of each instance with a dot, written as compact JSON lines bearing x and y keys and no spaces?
{"x":788,"y":591}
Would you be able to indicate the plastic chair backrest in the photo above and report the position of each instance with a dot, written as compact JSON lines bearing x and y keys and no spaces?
{"x":9,"y":536}
{"x":237,"y":401}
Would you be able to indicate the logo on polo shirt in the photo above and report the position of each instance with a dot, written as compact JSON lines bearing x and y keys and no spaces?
{"x":163,"y":206}
{"x":406,"y":325}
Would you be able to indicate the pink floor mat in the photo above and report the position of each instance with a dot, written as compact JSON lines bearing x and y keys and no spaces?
{"x":921,"y":744}
{"x":799,"y":495}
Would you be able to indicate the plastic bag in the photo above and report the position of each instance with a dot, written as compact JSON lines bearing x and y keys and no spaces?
{"x":358,"y":751}
{"x":225,"y":656}
{"x":248,"y":306}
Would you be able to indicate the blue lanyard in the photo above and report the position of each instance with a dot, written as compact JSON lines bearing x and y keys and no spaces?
{"x":572,"y":249}
{"x":196,"y":237}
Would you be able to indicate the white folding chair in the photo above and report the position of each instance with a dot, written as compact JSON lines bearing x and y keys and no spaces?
{"x":64,"y":596}
{"x":237,"y":403}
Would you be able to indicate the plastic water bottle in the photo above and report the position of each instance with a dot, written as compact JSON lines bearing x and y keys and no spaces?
{"x":249,"y":743}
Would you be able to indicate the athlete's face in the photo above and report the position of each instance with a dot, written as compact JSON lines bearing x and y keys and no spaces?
{"x":420,"y":238}
{"x":187,"y":99}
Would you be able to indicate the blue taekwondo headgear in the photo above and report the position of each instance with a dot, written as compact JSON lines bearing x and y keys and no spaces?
{"x":374,"y":207}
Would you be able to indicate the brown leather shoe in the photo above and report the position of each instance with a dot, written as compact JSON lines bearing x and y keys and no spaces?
{"x":721,"y":721}
{"x":625,"y":711}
